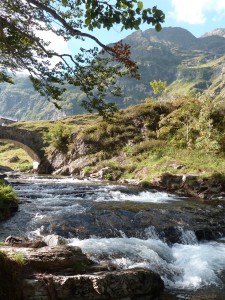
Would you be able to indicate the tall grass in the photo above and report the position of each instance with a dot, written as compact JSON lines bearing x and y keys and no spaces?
{"x":6,"y":191}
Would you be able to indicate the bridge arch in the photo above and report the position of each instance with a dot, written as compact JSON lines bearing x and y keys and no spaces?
{"x":31,"y":142}
{"x":29,"y":151}
{"x":36,"y":159}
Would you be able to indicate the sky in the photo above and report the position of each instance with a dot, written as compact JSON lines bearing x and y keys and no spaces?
{"x":197,"y":16}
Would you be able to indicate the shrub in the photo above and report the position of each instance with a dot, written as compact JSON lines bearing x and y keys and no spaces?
{"x":58,"y":136}
{"x":146,"y":146}
{"x":6,"y":191}
{"x":7,"y":199}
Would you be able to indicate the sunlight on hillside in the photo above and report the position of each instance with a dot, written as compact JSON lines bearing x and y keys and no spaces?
{"x":14,"y":158}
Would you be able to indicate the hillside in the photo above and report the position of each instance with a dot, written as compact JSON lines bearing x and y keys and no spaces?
{"x":144,"y":143}
{"x":187,"y":64}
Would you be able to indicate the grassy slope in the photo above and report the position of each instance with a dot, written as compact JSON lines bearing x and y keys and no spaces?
{"x":128,"y":151}
{"x":206,"y":78}
{"x":7,"y":151}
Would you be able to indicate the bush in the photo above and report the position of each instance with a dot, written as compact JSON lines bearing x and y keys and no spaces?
{"x":6,"y":191}
{"x":8,"y":199}
{"x":58,"y":136}
{"x":146,"y":146}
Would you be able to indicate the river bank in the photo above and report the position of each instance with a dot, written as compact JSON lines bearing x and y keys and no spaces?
{"x":8,"y":199}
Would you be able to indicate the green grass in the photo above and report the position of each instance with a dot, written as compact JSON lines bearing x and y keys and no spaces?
{"x":151,"y":164}
{"x":7,"y":151}
{"x":19,"y":258}
{"x":128,"y":144}
{"x":6,"y":192}
{"x":7,"y":198}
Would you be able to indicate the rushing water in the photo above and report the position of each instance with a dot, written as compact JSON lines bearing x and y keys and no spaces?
{"x":190,"y":269}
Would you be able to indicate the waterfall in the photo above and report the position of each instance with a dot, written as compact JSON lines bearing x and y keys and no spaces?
{"x":187,"y":237}
{"x":150,"y":232}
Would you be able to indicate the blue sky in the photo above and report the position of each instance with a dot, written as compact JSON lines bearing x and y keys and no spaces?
{"x":197,"y":16}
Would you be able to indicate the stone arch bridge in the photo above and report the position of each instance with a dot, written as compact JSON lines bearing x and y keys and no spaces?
{"x":31,"y":142}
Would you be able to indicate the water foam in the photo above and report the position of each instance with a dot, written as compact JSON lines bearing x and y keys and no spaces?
{"x":188,"y":237}
{"x":180,"y":266}
{"x":144,"y":197}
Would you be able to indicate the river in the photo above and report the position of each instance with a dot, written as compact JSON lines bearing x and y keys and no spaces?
{"x":126,"y":227}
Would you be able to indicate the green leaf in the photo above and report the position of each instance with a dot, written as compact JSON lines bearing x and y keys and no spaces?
{"x":87,"y":21}
{"x":158,"y":27}
{"x":140,"y":5}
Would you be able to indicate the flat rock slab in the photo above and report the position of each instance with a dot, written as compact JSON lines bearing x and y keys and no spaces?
{"x":50,"y":259}
{"x":65,"y":273}
{"x":134,"y":284}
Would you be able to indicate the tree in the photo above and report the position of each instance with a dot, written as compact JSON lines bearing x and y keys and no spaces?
{"x":158,"y":87}
{"x":94,"y":72}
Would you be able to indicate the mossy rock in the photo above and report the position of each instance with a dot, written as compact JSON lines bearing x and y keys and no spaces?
{"x":7,"y":208}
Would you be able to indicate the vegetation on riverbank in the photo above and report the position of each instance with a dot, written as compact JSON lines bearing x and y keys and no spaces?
{"x":8,"y":200}
{"x":182,"y":136}
{"x":10,"y":276}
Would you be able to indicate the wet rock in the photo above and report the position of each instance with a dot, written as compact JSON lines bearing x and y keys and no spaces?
{"x":64,"y":273}
{"x":134,"y":219}
{"x":169,"y":179}
{"x":128,"y":284}
{"x":11,"y":240}
{"x":2,"y":178}
{"x":204,"y":189}
{"x":24,"y":242}
{"x":62,"y":171}
{"x":5,"y":169}
{"x":8,"y":208}
{"x":54,"y":240}
{"x":64,"y":259}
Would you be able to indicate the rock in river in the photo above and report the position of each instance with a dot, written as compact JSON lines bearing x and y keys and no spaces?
{"x":65,"y":273}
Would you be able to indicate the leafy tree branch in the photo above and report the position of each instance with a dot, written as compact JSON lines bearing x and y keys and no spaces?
{"x":95,"y":72}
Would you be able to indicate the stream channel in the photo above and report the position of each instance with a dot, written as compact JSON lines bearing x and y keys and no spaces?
{"x":125,"y":226}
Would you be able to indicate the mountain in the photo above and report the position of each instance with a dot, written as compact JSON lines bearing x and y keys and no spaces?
{"x":174,"y":55}
{"x":217,"y":31}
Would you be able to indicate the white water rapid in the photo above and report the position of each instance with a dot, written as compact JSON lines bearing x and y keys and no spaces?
{"x":60,"y":206}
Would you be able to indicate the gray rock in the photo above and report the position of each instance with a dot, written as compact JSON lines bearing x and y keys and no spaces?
{"x":101,"y":173}
{"x":54,"y":240}
{"x":60,"y":259}
{"x":14,"y":159}
{"x":5,"y":169}
{"x":131,"y":284}
{"x":65,"y":273}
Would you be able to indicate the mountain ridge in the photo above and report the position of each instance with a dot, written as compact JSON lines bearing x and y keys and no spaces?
{"x":174,"y":55}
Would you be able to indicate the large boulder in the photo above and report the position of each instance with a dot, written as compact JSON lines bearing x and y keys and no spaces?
{"x":131,"y":284}
{"x":51,"y":259}
{"x":65,"y":273}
